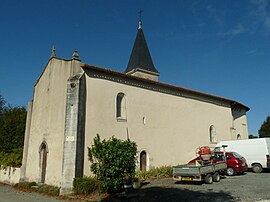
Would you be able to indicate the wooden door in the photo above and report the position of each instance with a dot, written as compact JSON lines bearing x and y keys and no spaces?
{"x":43,"y":163}
{"x":143,"y":160}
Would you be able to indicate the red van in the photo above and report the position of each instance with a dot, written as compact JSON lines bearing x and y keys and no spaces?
{"x":236,"y":164}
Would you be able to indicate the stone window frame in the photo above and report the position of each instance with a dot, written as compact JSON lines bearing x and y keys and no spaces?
{"x":212,"y":134}
{"x":121,"y":111}
{"x":43,"y":146}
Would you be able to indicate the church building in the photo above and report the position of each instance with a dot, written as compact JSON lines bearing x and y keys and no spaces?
{"x":74,"y":101}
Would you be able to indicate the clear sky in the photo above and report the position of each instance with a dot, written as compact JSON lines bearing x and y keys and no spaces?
{"x":221,"y":47}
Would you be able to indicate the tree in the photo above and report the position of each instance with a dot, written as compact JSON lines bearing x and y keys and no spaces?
{"x":2,"y":105}
{"x":12,"y":129}
{"x":251,"y":136}
{"x":264,"y":130}
{"x":111,"y":161}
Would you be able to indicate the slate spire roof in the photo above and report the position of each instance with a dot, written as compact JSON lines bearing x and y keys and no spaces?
{"x":140,"y":57}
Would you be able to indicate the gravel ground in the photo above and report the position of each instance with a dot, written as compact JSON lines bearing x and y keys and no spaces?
{"x":247,"y":187}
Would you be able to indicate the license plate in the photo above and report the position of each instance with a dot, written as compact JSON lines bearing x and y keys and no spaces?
{"x":186,"y":178}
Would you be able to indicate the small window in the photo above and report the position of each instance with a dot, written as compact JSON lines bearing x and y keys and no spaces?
{"x":238,"y":137}
{"x":213,"y":134}
{"x":121,"y":106}
{"x":144,"y":121}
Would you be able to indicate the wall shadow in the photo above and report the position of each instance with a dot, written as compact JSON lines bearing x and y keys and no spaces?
{"x":171,"y":194}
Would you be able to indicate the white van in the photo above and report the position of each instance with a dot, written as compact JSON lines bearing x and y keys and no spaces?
{"x":256,"y":151}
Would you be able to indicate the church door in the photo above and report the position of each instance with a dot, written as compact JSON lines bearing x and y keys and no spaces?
{"x":143,"y":160}
{"x":43,"y":158}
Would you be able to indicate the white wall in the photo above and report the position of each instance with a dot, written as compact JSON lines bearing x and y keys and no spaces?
{"x":48,"y":120}
{"x":10,"y":175}
{"x":175,"y":126}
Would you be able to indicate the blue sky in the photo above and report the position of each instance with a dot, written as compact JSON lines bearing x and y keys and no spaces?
{"x":214,"y":46}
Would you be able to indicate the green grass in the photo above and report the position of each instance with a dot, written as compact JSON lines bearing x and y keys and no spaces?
{"x":155,"y":173}
{"x":47,"y":189}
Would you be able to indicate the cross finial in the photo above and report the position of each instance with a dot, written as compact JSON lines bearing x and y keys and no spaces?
{"x":140,"y":13}
{"x":140,"y":22}
{"x":53,"y":52}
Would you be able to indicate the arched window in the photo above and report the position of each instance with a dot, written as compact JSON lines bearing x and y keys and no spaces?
{"x":143,"y":160}
{"x":43,"y":150}
{"x":121,"y":106}
{"x":238,"y":137}
{"x":213,"y":134}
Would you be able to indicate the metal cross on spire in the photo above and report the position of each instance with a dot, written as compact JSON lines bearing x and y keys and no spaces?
{"x":140,"y":22}
{"x":140,"y":13}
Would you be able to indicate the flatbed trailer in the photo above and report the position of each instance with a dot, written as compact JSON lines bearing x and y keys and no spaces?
{"x":208,"y":172}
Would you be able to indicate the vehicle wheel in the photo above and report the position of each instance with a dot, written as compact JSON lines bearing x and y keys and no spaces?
{"x":216,"y":177}
{"x":257,"y":168}
{"x":230,"y":171}
{"x":208,"y":179}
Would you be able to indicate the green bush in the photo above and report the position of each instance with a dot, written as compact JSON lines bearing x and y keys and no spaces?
{"x":48,"y":189}
{"x":155,"y":173}
{"x":85,"y":185}
{"x":13,"y":159}
{"x":26,"y":185}
{"x":111,"y":161}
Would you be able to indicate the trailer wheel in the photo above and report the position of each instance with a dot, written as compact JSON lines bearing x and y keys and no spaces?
{"x":257,"y":168}
{"x":216,"y":177}
{"x":208,"y":179}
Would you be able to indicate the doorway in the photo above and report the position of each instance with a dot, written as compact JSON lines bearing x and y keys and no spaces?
{"x":143,"y":161}
{"x":43,"y":161}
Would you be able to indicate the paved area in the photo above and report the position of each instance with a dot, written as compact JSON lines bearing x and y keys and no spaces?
{"x":248,"y":187}
{"x":8,"y":194}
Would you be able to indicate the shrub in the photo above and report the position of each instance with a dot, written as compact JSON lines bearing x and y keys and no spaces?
{"x":155,"y":173}
{"x":13,"y":159}
{"x":26,"y":185}
{"x":85,"y":185}
{"x":48,"y":189}
{"x":112,"y":160}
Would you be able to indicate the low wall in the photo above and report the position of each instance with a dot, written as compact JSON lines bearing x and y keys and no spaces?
{"x":10,"y":175}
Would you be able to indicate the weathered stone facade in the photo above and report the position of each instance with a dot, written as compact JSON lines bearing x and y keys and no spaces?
{"x":72,"y":102}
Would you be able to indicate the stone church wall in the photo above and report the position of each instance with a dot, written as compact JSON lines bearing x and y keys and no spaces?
{"x":168,"y":127}
{"x":48,"y":121}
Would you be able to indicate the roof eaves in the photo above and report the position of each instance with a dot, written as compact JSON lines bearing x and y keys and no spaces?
{"x":233,"y":102}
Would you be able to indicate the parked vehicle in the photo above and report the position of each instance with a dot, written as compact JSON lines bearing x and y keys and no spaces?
{"x":255,"y":151}
{"x":202,"y":170}
{"x":236,"y":164}
{"x":208,"y":173}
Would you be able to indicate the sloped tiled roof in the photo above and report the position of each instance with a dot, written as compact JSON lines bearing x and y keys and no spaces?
{"x":161,"y":84}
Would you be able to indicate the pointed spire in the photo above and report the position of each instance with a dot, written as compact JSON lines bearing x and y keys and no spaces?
{"x":53,"y":52}
{"x":140,"y":57}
